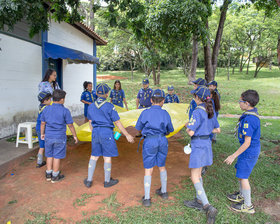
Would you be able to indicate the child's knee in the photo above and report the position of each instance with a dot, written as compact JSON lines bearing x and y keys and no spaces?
{"x":94,"y":157}
{"x":161,"y":169}
{"x":107,"y":159}
{"x":149,"y":172}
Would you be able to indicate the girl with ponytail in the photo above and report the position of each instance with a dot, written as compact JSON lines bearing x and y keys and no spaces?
{"x":202,"y":123}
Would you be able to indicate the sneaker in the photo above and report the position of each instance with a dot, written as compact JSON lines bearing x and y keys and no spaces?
{"x":211,"y":213}
{"x":203,"y":171}
{"x":194,"y":204}
{"x":235,"y":197}
{"x":58,"y":178}
{"x":40,"y":165}
{"x":146,"y":202}
{"x":111,"y":183}
{"x":48,"y":176}
{"x":87,"y":183}
{"x":162,"y":195}
{"x":241,"y":207}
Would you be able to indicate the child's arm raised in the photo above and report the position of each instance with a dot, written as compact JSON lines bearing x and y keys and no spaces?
{"x":73,"y":131}
{"x":43,"y":125}
{"x":229,"y":160}
{"x":123,"y":130}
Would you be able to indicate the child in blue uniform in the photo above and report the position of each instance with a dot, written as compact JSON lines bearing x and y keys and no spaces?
{"x":202,"y":123}
{"x":155,"y":123}
{"x":144,"y":96}
{"x":213,"y":86}
{"x":45,"y":100}
{"x":117,"y":95}
{"x":54,"y":119}
{"x":102,"y":115}
{"x":87,"y":97}
{"x":193,"y":105}
{"x":249,"y":132}
{"x":171,"y":97}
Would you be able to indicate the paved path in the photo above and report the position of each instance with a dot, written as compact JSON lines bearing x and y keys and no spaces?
{"x":237,"y":116}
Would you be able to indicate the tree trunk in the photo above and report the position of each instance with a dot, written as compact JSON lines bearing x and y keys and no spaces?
{"x":278,"y":49}
{"x":154,"y":75}
{"x":158,"y":73}
{"x":241,"y":61}
{"x":228,"y":65}
{"x":91,"y":14}
{"x":250,"y":53}
{"x":278,"y":2}
{"x":192,"y":74}
{"x":131,"y":67}
{"x":219,"y":34}
{"x":184,"y":64}
{"x":208,"y":64}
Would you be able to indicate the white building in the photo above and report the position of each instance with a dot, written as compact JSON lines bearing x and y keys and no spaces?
{"x":23,"y":62}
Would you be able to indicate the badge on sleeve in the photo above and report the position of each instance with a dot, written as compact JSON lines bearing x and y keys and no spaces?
{"x":246,"y":125}
{"x":192,"y":121}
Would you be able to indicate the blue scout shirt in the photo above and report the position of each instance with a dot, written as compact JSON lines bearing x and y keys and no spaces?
{"x":56,"y":117}
{"x":250,"y":126}
{"x":200,"y":123}
{"x":154,"y":121}
{"x":117,"y":97}
{"x":144,"y":96}
{"x":47,"y":87}
{"x":88,"y":97}
{"x":171,"y":98}
{"x":38,"y":124}
{"x":192,"y":107}
{"x":103,"y":116}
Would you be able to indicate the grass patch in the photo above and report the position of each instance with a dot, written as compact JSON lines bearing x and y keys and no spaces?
{"x":82,"y":201}
{"x":44,"y":218}
{"x":12,"y":202}
{"x":112,"y":202}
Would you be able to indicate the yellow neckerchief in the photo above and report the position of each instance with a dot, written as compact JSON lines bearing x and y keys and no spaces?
{"x":99,"y":105}
{"x":41,"y":110}
{"x":201,"y":107}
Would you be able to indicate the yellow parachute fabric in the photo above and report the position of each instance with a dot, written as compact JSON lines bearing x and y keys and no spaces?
{"x":177,"y":112}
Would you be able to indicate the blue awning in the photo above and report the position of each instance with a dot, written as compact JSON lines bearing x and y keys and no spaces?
{"x":73,"y":56}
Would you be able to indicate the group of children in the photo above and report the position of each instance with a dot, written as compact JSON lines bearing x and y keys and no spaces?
{"x":153,"y":125}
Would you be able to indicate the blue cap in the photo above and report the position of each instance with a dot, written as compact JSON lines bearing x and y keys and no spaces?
{"x":145,"y":81}
{"x":170,"y":88}
{"x":42,"y":95}
{"x":200,"y":82}
{"x":202,"y":92}
{"x":214,"y":83}
{"x":102,"y":88}
{"x":158,"y":93}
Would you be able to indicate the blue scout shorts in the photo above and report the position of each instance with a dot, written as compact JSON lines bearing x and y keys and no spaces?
{"x":245,"y":165}
{"x":55,"y":148}
{"x":201,"y":154}
{"x":103,"y":142}
{"x":154,"y":152}
{"x":41,"y":142}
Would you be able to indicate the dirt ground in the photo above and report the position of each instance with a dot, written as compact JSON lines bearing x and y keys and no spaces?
{"x":27,"y":190}
{"x":109,"y":77}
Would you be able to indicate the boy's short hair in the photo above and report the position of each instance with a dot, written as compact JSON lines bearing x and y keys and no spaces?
{"x":58,"y":94}
{"x":157,"y":99}
{"x":251,"y":96}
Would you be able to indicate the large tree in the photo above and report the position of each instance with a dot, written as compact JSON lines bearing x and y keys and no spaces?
{"x":38,"y":13}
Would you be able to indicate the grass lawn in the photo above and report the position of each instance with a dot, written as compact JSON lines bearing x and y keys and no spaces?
{"x":267,"y":84}
{"x":219,"y":180}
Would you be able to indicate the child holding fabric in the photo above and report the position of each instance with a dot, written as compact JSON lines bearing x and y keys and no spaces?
{"x":155,"y":124}
{"x":201,"y":125}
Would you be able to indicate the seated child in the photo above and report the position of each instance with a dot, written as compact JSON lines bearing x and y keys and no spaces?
{"x":144,"y":96}
{"x":45,"y":100}
{"x":155,"y":123}
{"x":117,"y":95}
{"x":202,"y":123}
{"x":54,"y":119}
{"x":102,"y":115}
{"x":171,"y":97}
{"x":87,"y":97}
{"x":249,"y":133}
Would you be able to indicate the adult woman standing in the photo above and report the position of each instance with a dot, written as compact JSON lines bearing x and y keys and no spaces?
{"x":49,"y":83}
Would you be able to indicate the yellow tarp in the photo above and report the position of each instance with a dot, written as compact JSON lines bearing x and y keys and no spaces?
{"x":177,"y":112}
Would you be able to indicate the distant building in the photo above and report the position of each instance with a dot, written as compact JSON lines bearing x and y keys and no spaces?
{"x":69,"y":49}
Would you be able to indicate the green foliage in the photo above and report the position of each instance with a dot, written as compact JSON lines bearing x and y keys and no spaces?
{"x":111,"y":202}
{"x":37,"y":13}
{"x":82,"y":201}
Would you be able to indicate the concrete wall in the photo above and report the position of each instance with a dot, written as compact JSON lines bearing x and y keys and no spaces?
{"x":20,"y":73}
{"x":73,"y":74}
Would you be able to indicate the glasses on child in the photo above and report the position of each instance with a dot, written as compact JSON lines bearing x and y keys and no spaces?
{"x":242,"y":101}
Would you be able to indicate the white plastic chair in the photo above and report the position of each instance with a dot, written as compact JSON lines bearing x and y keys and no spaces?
{"x":28,"y":134}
